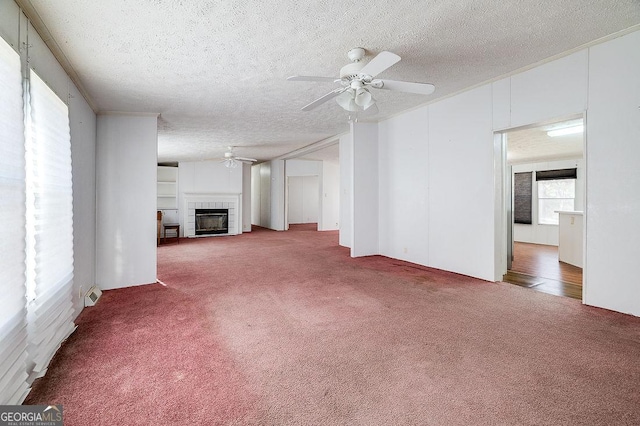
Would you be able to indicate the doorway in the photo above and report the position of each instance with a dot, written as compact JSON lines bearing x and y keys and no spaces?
{"x":544,"y":204}
{"x":312,"y":189}
{"x":303,"y":200}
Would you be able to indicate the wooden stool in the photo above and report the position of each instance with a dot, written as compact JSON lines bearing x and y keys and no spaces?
{"x":173,"y":227}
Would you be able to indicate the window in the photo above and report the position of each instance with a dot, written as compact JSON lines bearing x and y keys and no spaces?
{"x":13,"y":327}
{"x":554,"y":195}
{"x":49,"y":225}
{"x":36,"y":239}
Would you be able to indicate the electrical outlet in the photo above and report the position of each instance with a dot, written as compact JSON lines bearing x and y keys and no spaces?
{"x":405,"y":250}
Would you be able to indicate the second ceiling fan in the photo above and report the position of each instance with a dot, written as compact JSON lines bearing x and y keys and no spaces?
{"x":231,"y":160}
{"x":356,"y":78}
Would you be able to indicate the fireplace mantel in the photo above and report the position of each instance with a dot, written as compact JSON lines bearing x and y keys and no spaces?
{"x":202,"y":200}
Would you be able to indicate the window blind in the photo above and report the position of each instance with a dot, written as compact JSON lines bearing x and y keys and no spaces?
{"x":13,"y":327}
{"x":49,"y":225}
{"x":522,"y":197}
{"x":557,"y":174}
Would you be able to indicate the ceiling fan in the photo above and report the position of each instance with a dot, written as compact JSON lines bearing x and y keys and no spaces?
{"x":231,"y":160}
{"x":357,"y":78}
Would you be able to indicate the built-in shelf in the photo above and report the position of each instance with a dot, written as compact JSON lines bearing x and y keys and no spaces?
{"x":167,"y":188}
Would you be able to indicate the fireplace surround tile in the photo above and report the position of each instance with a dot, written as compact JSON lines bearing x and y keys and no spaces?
{"x":194,"y":201}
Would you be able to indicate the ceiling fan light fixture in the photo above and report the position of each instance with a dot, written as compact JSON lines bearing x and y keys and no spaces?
{"x":363,"y":98}
{"x":355,"y":100}
{"x":369,"y":105}
{"x":352,"y":107}
{"x":230,"y":163}
{"x":345,"y":100}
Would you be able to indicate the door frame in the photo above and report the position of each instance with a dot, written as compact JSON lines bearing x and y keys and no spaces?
{"x":503,"y":188}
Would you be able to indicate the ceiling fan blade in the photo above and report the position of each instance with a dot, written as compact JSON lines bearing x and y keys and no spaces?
{"x":380,"y":63}
{"x":250,"y":160}
{"x":406,"y":86}
{"x":323,"y":99}
{"x":310,"y":78}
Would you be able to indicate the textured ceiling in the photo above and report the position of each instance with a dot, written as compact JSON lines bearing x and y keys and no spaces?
{"x":216,"y":71}
{"x":534,"y":145}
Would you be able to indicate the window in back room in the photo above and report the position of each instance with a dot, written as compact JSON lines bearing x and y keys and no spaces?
{"x":553,"y":196}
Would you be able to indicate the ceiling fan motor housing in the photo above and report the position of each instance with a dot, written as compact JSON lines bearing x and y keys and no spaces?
{"x":351,"y":71}
{"x":356,"y":54}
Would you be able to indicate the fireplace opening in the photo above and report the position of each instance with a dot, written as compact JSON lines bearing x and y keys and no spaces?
{"x":212,"y":221}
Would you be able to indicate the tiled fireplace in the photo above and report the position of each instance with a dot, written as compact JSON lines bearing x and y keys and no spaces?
{"x":198,"y":203}
{"x":212,"y":221}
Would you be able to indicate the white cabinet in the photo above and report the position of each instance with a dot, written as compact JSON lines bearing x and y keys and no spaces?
{"x":167,"y":188}
{"x":570,"y":238}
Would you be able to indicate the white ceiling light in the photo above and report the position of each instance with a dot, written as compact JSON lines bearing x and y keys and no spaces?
{"x":354,"y":100}
{"x":230,"y":163}
{"x":566,"y":131}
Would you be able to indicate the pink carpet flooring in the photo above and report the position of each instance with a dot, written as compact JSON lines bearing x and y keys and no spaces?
{"x":283,"y":328}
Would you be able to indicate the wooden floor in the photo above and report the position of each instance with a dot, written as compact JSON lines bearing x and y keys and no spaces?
{"x":537,"y":267}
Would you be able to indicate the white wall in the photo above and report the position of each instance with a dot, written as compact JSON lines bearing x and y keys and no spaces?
{"x":277,"y":210}
{"x":14,"y":28}
{"x":546,"y":234}
{"x":256,"y":195}
{"x":436,"y":185}
{"x":126,"y":193}
{"x":265,"y":195}
{"x":346,"y":188}
{"x":330,"y":217}
{"x":246,"y":197}
{"x":547,"y":92}
{"x":207,"y":177}
{"x":613,"y":176}
{"x":461,"y":189}
{"x":303,"y":199}
{"x":364,"y":201}
{"x":268,"y":186}
{"x":439,"y":167}
{"x":304,"y":167}
{"x":459,"y":152}
{"x":303,"y":191}
{"x":404,"y":187}
{"x":82,"y":121}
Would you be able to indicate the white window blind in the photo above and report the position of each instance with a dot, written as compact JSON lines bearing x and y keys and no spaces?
{"x":555,"y":195}
{"x":49,"y":225}
{"x":13,"y":327}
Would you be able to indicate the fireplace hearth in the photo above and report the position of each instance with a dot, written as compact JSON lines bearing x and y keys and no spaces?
{"x":211,"y":221}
